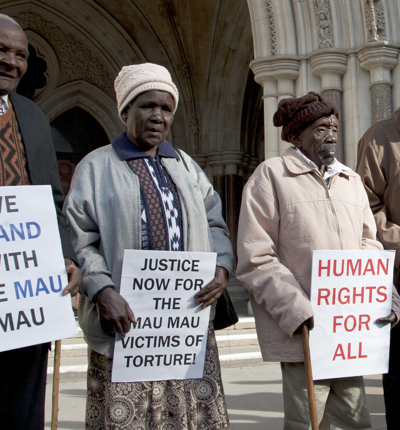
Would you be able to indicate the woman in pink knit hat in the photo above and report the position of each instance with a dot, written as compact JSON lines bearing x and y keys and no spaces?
{"x":140,"y":193}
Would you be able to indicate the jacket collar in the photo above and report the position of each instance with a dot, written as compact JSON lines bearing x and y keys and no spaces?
{"x":20,"y":104}
{"x":126,"y":150}
{"x":31,"y":130}
{"x":298,"y":165}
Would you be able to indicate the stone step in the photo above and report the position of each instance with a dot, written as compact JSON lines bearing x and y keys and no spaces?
{"x":244,"y":323}
{"x":237,"y":345}
{"x":74,"y":368}
{"x":237,"y":339}
{"x":77,"y":347}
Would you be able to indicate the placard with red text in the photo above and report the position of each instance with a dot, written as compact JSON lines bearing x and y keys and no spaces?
{"x":350,"y":290}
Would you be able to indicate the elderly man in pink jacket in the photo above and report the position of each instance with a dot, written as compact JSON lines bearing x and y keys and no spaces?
{"x":304,"y":200}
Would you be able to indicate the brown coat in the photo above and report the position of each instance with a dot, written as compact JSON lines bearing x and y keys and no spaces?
{"x":378,"y":164}
{"x":287,"y":212}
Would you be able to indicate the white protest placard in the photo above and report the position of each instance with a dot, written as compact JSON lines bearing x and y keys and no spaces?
{"x":350,"y":290}
{"x":32,"y":271}
{"x":170,"y":337}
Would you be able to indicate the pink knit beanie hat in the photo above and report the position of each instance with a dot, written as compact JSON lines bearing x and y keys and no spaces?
{"x":139,"y":78}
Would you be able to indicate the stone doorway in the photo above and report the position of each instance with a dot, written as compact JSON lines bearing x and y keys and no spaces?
{"x":75,"y":134}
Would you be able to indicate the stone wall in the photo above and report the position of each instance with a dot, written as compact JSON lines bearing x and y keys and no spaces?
{"x":347,"y":50}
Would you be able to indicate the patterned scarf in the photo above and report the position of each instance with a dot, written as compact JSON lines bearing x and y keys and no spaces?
{"x":13,"y":161}
{"x":161,"y":219}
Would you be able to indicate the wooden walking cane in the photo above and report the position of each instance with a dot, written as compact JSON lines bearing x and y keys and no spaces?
{"x":56,"y":385}
{"x":309,"y":378}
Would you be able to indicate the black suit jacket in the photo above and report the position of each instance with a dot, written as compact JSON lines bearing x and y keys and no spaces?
{"x":42,"y":162}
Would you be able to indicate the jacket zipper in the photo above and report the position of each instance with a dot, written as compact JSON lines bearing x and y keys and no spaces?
{"x":327,"y":187}
{"x":335,"y":212}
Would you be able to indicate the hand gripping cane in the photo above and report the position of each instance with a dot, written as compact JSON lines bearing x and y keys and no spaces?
{"x":309,"y":378}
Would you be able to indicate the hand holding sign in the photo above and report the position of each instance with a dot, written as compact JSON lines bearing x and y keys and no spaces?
{"x":114,"y":312}
{"x":214,"y":289}
{"x":74,"y":278}
{"x":391,"y":318}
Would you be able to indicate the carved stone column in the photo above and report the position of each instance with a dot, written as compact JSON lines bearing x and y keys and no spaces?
{"x":381,"y":97}
{"x":228,"y":182}
{"x":277,"y":75}
{"x":200,"y":159}
{"x":379,"y":58}
{"x":263,"y":75}
{"x":330,"y":65}
{"x":286,"y":71}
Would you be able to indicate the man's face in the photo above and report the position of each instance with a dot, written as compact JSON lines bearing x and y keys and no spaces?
{"x":13,"y":56}
{"x":318,"y":140}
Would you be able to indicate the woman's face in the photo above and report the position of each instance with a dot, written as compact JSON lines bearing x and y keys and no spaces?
{"x":148,"y":119}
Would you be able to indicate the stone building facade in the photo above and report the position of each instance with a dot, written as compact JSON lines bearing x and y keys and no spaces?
{"x":345,"y":49}
{"x":232,"y":60}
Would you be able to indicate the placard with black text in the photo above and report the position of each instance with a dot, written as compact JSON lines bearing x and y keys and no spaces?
{"x":170,"y":337}
{"x":32,"y":271}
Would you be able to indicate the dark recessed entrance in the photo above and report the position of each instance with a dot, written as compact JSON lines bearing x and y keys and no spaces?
{"x":75,"y":134}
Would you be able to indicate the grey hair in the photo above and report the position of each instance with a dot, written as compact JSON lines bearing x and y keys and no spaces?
{"x":4,"y":17}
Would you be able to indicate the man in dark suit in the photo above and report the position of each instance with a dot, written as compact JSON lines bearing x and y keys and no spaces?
{"x":26,"y":158}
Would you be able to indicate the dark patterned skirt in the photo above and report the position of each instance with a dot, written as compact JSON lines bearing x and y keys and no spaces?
{"x":193,"y":404}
